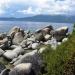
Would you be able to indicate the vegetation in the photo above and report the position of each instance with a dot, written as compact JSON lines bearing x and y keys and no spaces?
{"x":62,"y":60}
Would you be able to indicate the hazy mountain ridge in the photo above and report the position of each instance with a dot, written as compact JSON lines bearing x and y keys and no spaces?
{"x":43,"y":18}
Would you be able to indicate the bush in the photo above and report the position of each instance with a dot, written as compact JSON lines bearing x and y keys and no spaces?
{"x":57,"y":60}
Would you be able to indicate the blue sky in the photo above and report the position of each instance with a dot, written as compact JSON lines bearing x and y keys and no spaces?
{"x":22,"y":8}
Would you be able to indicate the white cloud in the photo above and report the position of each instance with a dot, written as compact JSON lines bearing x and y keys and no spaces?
{"x":30,"y":11}
{"x":40,"y":6}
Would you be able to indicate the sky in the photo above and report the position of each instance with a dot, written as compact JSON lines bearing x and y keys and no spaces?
{"x":24,"y":8}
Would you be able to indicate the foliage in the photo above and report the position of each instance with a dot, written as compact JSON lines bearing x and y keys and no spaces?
{"x":58,"y":59}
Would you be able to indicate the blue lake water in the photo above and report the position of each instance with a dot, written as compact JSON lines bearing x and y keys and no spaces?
{"x":5,"y":26}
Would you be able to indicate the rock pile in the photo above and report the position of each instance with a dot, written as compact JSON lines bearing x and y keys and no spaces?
{"x":21,"y":48}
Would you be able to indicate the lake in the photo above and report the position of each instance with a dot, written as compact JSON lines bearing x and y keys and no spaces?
{"x":5,"y":26}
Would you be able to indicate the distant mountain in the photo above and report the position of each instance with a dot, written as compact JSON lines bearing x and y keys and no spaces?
{"x":43,"y":18}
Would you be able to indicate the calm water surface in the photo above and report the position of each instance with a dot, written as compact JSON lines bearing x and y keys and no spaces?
{"x":5,"y":26}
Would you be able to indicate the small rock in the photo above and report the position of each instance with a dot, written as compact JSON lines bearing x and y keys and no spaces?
{"x":35,"y":45}
{"x":59,"y":43}
{"x":2,"y":67}
{"x":47,"y":37}
{"x":41,"y":50}
{"x":10,"y":55}
{"x":65,"y":39}
{"x":1,"y":52}
{"x":5,"y":72}
{"x":18,"y":50}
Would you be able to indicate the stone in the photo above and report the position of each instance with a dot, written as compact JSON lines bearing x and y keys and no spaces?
{"x":10,"y":55}
{"x":5,"y":72}
{"x":2,"y":36}
{"x":47,"y":30}
{"x":2,"y":67}
{"x":23,"y":43}
{"x":6,"y":43}
{"x":47,"y":37}
{"x":53,"y":43}
{"x":59,"y":43}
{"x":39,"y":37}
{"x":21,"y":69}
{"x":31,"y":57}
{"x":15,"y":59}
{"x":18,"y":38}
{"x":41,"y":50}
{"x":13,"y":46}
{"x":1,"y":52}
{"x":14,"y":30}
{"x":64,"y":28}
{"x":59,"y":33}
{"x":35,"y":45}
{"x":65,"y":39}
{"x":18,"y":50}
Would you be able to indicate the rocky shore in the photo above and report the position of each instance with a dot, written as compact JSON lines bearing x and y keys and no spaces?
{"x":22,"y":49}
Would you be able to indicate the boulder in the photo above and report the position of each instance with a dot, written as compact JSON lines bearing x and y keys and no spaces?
{"x":18,"y":38}
{"x":21,"y":69}
{"x":14,"y":30}
{"x":59,"y":33}
{"x":1,"y":52}
{"x":5,"y":72}
{"x":47,"y":30}
{"x":2,"y":67}
{"x":39,"y":37}
{"x":31,"y":57}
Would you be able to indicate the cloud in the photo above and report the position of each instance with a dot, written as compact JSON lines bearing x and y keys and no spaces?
{"x":30,"y":11}
{"x":37,"y":7}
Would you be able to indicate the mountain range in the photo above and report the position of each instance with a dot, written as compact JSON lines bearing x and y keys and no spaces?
{"x":43,"y":18}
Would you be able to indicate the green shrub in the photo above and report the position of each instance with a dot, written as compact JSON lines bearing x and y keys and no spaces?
{"x":57,"y":59}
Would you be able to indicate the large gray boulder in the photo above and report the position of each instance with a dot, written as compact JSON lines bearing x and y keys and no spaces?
{"x":18,"y":38}
{"x":39,"y":36}
{"x":31,"y":57}
{"x":21,"y":69}
{"x":47,"y":30}
{"x":60,"y":33}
